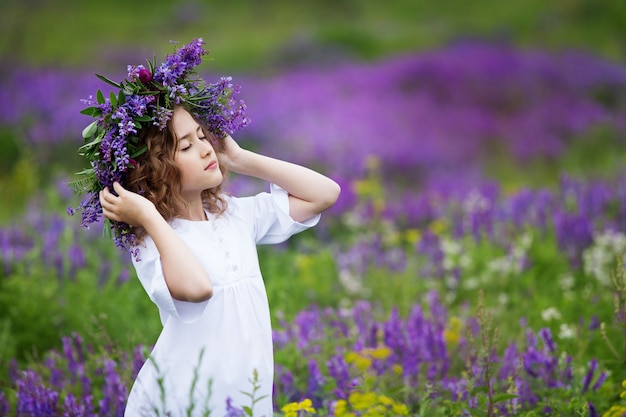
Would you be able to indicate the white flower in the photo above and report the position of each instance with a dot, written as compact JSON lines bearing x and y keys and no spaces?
{"x":600,"y":258}
{"x":475,"y":202}
{"x":471,"y":283}
{"x":566,"y":281}
{"x":567,"y":331}
{"x":351,"y":282}
{"x":550,"y":313}
{"x":503,"y":298}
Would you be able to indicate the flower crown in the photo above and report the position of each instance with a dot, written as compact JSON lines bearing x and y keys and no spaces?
{"x":147,"y":97}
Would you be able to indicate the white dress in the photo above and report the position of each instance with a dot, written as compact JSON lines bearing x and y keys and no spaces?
{"x":225,"y":340}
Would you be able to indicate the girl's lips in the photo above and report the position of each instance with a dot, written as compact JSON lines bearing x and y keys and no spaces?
{"x":211,"y":166}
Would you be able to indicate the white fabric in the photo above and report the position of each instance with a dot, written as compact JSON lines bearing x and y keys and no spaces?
{"x":225,"y":339}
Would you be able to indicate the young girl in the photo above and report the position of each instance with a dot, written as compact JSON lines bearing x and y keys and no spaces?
{"x":195,"y":254}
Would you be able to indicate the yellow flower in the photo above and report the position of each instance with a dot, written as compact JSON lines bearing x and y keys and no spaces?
{"x":383,"y":399}
{"x":452,"y":334}
{"x":361,"y":362}
{"x":413,"y":235}
{"x":292,"y":409}
{"x":438,"y":226}
{"x":362,"y":401}
{"x":376,"y":411}
{"x":615,"y":411}
{"x":399,"y":409}
{"x":397,"y":369}
{"x":380,"y":353}
{"x":364,"y":187}
{"x":341,"y":408}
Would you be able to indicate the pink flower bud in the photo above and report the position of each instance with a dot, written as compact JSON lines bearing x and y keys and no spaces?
{"x":145,"y":76}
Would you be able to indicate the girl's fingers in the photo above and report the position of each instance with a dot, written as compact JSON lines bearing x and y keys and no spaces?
{"x":118,"y":188}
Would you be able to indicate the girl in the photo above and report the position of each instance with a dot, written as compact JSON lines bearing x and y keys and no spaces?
{"x":195,"y":255}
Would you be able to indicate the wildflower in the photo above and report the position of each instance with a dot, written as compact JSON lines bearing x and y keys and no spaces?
{"x":362,"y":363}
{"x":145,"y":76}
{"x":452,"y":334}
{"x":567,"y":331}
{"x":550,"y":313}
{"x":341,"y":409}
{"x":438,"y":226}
{"x":362,"y":401}
{"x":380,"y":353}
{"x":412,"y":236}
{"x":615,"y":411}
{"x":294,"y":409}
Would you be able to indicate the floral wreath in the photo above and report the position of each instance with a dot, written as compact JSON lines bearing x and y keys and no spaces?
{"x":147,"y":97}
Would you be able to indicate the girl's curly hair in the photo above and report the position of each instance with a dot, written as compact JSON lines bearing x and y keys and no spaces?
{"x":157,"y":177}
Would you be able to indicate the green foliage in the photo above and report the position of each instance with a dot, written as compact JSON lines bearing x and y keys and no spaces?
{"x":46,"y":294}
{"x":366,"y":29}
{"x":298,"y":277}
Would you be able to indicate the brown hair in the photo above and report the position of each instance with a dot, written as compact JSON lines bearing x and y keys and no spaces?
{"x":157,"y":177}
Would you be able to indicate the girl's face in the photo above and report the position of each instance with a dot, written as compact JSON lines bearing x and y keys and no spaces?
{"x":195,"y":157}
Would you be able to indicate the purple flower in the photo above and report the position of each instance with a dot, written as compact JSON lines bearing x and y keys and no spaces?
{"x":593,"y":365}
{"x":232,"y":411}
{"x":315,"y":384}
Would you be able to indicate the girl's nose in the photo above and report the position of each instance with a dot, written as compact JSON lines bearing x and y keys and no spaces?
{"x":206,"y":148}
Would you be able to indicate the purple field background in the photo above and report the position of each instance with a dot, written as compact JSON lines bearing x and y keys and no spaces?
{"x":428,"y":115}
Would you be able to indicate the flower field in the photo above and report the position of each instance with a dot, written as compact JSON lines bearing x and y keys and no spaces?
{"x":473,"y":265}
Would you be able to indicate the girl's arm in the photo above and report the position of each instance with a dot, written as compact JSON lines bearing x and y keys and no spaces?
{"x":185,"y":276}
{"x":310,"y":192}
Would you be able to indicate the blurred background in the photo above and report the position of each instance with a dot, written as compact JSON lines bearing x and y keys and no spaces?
{"x":271,"y":35}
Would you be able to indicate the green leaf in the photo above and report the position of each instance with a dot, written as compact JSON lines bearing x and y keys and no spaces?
{"x":86,"y":171}
{"x":139,"y":151}
{"x":89,"y":146}
{"x":91,"y":111}
{"x":108,"y":81}
{"x":100,"y":97}
{"x":248,"y":410}
{"x":113,"y":99}
{"x":503,"y":397}
{"x":90,"y":130}
{"x":81,"y":185}
{"x":152,"y":64}
{"x":143,"y":118}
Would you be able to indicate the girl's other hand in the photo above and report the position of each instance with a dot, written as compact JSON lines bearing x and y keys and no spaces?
{"x":127,"y":206}
{"x":232,"y":155}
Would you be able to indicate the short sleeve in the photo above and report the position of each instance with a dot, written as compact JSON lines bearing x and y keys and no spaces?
{"x":272,"y":221}
{"x":150,"y":274}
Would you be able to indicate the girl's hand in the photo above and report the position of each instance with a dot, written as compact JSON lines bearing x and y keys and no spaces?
{"x":232,"y":155}
{"x":127,"y":207}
